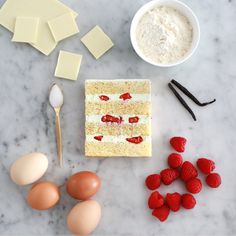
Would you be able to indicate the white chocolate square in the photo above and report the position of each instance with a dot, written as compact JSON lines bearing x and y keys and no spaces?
{"x":26,"y":29}
{"x":97,"y":42}
{"x":68,"y":65}
{"x":63,"y":26}
{"x":44,"y":9}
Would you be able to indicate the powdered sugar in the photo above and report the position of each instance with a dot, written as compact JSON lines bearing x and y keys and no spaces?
{"x":164,"y":35}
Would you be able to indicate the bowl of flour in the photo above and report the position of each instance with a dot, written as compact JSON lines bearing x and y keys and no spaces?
{"x":165,"y":32}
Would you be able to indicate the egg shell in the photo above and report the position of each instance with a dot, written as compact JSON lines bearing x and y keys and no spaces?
{"x":83,"y":185}
{"x":28,"y":168}
{"x":43,"y":196}
{"x":84,"y":217}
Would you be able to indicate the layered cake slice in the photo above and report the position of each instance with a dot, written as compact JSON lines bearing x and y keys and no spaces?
{"x":118,"y":118}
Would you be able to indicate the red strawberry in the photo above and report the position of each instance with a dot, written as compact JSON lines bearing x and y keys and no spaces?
{"x":213,"y":180}
{"x":178,"y":143}
{"x":194,"y":185}
{"x":161,"y":213}
{"x":206,"y":166}
{"x":155,"y":200}
{"x":188,"y":201}
{"x":173,"y":200}
{"x":169,"y":175}
{"x":153,"y":181}
{"x":175,"y":160}
{"x":188,"y":171}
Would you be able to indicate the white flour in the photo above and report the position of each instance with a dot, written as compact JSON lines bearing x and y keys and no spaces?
{"x":164,"y":35}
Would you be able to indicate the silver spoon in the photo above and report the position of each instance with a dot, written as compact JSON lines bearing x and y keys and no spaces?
{"x":56,"y":101}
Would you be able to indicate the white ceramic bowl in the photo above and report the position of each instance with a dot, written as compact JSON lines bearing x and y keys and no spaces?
{"x":184,"y":9}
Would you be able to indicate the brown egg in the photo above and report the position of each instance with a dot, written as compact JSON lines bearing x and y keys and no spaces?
{"x":84,"y":217}
{"x":83,"y":185}
{"x":43,"y":196}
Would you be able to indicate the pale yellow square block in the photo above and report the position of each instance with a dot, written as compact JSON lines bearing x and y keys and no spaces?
{"x":68,"y":65}
{"x":97,"y":42}
{"x":44,"y":9}
{"x":63,"y":26}
{"x":26,"y":29}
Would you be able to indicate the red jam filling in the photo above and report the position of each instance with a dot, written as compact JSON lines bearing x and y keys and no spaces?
{"x":125,"y":96}
{"x":112,"y":119}
{"x":134,"y":119}
{"x":99,"y":138}
{"x":135,"y":140}
{"x":104,"y":98}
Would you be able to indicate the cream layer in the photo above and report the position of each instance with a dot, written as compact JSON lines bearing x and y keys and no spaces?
{"x":116,"y":97}
{"x":97,"y":119}
{"x":115,"y":139}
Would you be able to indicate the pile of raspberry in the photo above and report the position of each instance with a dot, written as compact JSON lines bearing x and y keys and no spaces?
{"x":184,"y":171}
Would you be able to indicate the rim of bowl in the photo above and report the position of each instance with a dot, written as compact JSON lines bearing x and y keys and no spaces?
{"x":145,"y":8}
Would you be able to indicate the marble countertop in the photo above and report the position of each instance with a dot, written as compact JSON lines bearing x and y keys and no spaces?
{"x":27,"y":124}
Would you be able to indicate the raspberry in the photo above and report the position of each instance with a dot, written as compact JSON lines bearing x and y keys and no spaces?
{"x":178,"y":143}
{"x":188,"y":171}
{"x":135,"y":140}
{"x":173,"y":200}
{"x":112,"y":119}
{"x":134,"y":119}
{"x":188,"y":201}
{"x":213,"y":180}
{"x":98,"y":138}
{"x":206,"y":166}
{"x":104,"y":98}
{"x":155,"y":200}
{"x":125,"y":96}
{"x":175,"y":160}
{"x":169,"y":175}
{"x":153,"y":181}
{"x":194,"y":185}
{"x":161,"y":213}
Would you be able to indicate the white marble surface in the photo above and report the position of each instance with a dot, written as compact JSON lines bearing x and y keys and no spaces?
{"x":26,"y":125}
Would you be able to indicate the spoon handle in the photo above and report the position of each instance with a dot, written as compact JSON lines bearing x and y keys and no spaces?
{"x":58,"y":137}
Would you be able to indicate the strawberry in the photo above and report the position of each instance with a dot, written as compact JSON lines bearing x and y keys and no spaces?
{"x":155,"y":200}
{"x":188,"y":201}
{"x":169,"y":175}
{"x":188,"y":171}
{"x":194,"y":185}
{"x":153,"y":181}
{"x":161,"y":213}
{"x":173,"y":200}
{"x":178,"y":143}
{"x":206,"y":166}
{"x":175,"y":160}
{"x":213,"y":180}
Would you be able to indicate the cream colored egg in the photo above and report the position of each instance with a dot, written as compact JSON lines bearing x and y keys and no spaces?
{"x":29,"y":168}
{"x":84,"y":217}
